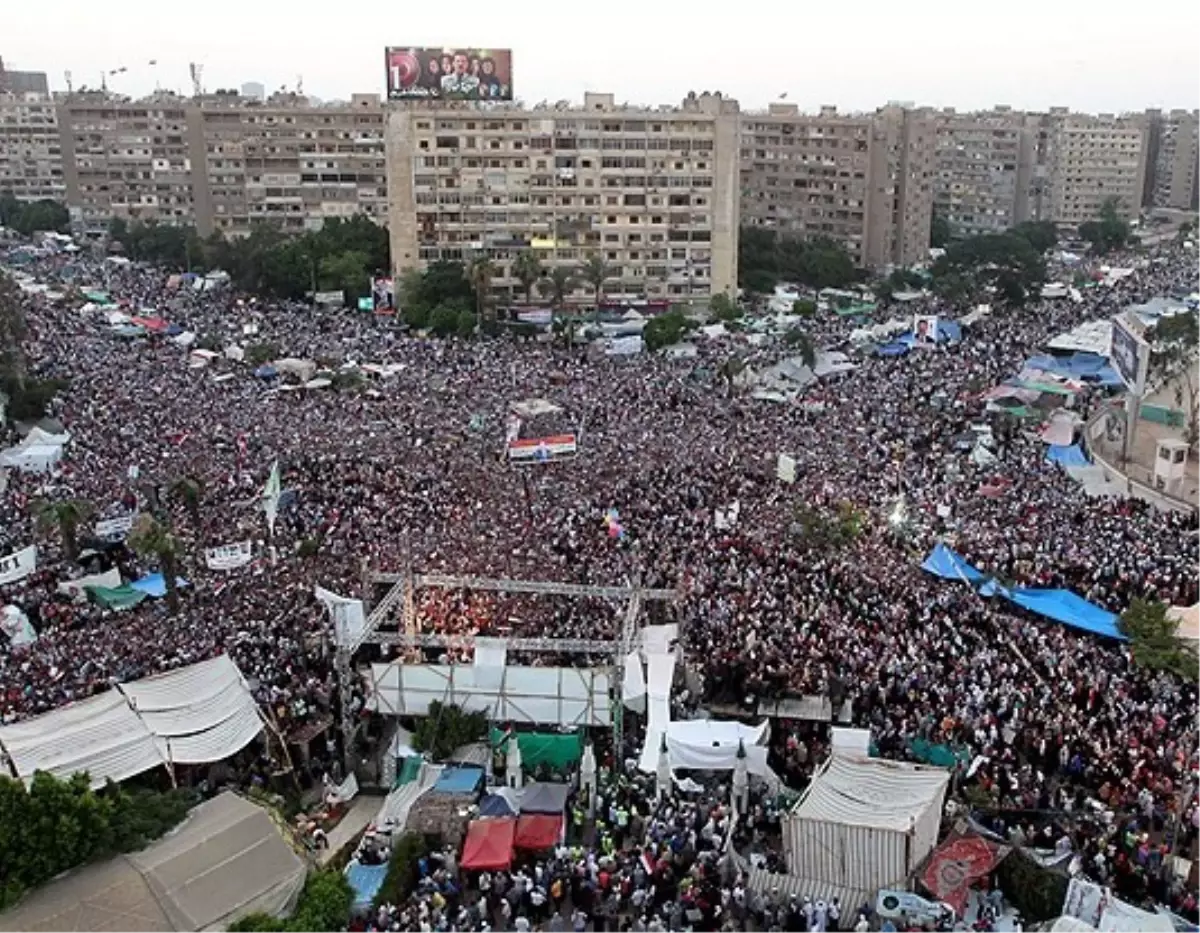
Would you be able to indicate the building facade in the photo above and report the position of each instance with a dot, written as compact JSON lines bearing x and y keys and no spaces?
{"x":986,"y":169}
{"x":653,"y":192}
{"x":23,"y":82}
{"x":864,"y":180}
{"x":31,"y":162}
{"x":1174,"y":159}
{"x":1089,"y":160}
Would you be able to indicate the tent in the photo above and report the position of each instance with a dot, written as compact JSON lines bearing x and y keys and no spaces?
{"x":226,"y":860}
{"x":537,"y":832}
{"x":1068,"y":608}
{"x":542,"y":797}
{"x":945,"y":563}
{"x":551,"y":748}
{"x":495,"y":805}
{"x":878,"y":819}
{"x":489,"y":844}
{"x":464,"y":779}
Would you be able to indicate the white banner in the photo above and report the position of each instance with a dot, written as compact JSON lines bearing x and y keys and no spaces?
{"x":228,"y":556}
{"x":114,"y":529}
{"x":785,"y":468}
{"x":348,"y":617}
{"x":15,"y":624}
{"x":18,"y":566}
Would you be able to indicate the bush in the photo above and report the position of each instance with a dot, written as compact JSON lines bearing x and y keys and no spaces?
{"x":30,"y":401}
{"x":53,"y":826}
{"x":324,"y":905}
{"x":402,"y":874}
{"x":446,"y":728}
{"x":258,"y":354}
{"x":443,"y":321}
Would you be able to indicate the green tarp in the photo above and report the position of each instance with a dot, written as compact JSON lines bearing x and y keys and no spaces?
{"x":116,"y":597}
{"x":100,"y":298}
{"x":551,"y":748}
{"x":1157,"y":414}
{"x":408,"y":770}
{"x":854,"y":310}
{"x":942,"y":756}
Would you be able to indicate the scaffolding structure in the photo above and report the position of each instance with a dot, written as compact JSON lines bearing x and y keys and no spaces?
{"x":401,"y":595}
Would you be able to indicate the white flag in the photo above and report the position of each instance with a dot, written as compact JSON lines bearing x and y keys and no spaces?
{"x":270,"y":496}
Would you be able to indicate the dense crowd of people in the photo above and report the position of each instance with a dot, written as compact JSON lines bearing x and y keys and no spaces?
{"x":411,"y":465}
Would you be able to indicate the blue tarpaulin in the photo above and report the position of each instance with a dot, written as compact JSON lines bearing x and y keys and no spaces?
{"x":943,"y":562}
{"x":495,"y":805}
{"x":266,"y":372}
{"x":892,"y":349}
{"x":154,"y":585}
{"x":1086,"y":367}
{"x":1065,"y":607}
{"x":366,"y":880}
{"x":464,"y":779}
{"x":1066,"y":455}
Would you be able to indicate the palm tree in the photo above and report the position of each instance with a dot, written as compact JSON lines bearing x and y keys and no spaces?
{"x":558,"y":284}
{"x":153,"y":538}
{"x":527,"y":268}
{"x":730,"y":370}
{"x":66,"y":516}
{"x":480,"y":273}
{"x":594,"y":271}
{"x":189,"y":490}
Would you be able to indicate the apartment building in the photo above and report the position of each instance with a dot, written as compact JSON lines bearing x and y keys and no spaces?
{"x":864,"y":180}
{"x":1173,"y":159}
{"x":654,"y":192}
{"x":986,"y":169}
{"x":1088,"y":160}
{"x":128,"y":159}
{"x":31,"y":163}
{"x":23,"y":82}
{"x":288,"y":162}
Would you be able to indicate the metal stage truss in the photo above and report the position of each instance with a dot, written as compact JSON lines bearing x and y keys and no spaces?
{"x":401,"y":595}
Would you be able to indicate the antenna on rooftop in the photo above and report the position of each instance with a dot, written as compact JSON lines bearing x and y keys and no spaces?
{"x":196,"y":71}
{"x":70,"y":86}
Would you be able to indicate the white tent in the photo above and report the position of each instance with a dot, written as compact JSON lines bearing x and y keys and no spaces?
{"x":864,"y":823}
{"x":197,"y":714}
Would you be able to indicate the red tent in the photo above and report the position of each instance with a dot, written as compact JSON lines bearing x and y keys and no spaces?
{"x":155,"y":325}
{"x":537,"y":832}
{"x":489,"y":844}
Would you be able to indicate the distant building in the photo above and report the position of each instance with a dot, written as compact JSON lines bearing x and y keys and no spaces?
{"x":1174,"y":159}
{"x":31,"y":162}
{"x":254,"y":90}
{"x":23,"y":82}
{"x":653,"y":192}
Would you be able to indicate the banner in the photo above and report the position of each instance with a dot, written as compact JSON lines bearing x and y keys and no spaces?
{"x":925,"y":329}
{"x":270,"y":496}
{"x":115,"y":529}
{"x":785,"y":468}
{"x":1130,"y":355}
{"x":228,"y":556}
{"x":18,"y":566}
{"x":383,"y":296}
{"x":541,"y":449}
{"x":956,"y":864}
{"x":349,"y":620}
{"x":328,"y":298}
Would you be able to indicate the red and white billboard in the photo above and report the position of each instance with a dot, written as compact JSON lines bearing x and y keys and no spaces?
{"x":541,"y":449}
{"x":421,"y":73}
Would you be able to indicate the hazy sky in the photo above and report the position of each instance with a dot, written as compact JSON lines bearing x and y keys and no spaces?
{"x":1027,"y":53}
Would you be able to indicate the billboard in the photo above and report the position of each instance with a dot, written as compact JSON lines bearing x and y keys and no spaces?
{"x":383,"y":296}
{"x":925,"y":329}
{"x":541,"y":449}
{"x":1130,"y":356}
{"x":448,"y":74}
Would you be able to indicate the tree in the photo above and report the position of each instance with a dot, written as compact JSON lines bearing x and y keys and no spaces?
{"x":822,"y":529}
{"x":527,"y":269}
{"x":594,"y":271}
{"x":724,"y":308}
{"x":344,"y":272}
{"x":153,"y":538}
{"x":480,"y":273}
{"x":1154,"y":641}
{"x":444,"y":321}
{"x":30,"y":217}
{"x":800,"y":343}
{"x":559,"y":283}
{"x":324,"y":904}
{"x":65,"y":516}
{"x":804,"y":307}
{"x":940,"y":230}
{"x":1109,"y":232}
{"x":664,"y":330}
{"x":1042,"y":235}
{"x":446,"y":728}
{"x":766,"y":257}
{"x":466,"y":324}
{"x":1005,"y":262}
{"x":189,"y":490}
{"x":1173,"y":361}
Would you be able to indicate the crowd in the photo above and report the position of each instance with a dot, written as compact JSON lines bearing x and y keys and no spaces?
{"x":413,"y":465}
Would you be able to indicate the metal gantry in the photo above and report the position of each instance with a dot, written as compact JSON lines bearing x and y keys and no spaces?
{"x":402,"y":594}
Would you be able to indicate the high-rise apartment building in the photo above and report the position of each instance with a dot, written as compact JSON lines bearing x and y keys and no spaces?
{"x":1089,"y":160}
{"x":1174,"y":159}
{"x":863,"y":180}
{"x":288,"y":162}
{"x":654,"y":192}
{"x":986,"y":169}
{"x":23,"y":82}
{"x":31,"y":163}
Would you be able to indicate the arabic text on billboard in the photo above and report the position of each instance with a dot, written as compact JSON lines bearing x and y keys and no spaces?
{"x":448,"y":74}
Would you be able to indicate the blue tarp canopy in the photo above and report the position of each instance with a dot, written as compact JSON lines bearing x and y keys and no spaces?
{"x":464,"y":779}
{"x":1066,"y":607}
{"x":943,"y":562}
{"x":1066,"y":455}
{"x":154,"y":585}
{"x":266,"y":372}
{"x":949,"y":331}
{"x":495,"y":805}
{"x":366,"y":880}
{"x":892,"y":349}
{"x":1087,"y":367}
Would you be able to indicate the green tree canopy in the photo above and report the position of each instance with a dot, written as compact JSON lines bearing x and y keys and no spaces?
{"x":1109,"y":232}
{"x":446,"y":728}
{"x":1155,"y":644}
{"x":1005,"y":262}
{"x":29,"y":217}
{"x":663,"y":330}
{"x":767,"y":257}
{"x":724,"y":308}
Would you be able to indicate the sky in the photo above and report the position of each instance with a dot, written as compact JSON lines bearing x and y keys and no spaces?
{"x":1029,"y":54}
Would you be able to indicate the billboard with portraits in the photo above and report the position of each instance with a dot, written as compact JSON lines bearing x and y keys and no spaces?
{"x":420,"y":73}
{"x":925,"y":329}
{"x":1130,"y":355}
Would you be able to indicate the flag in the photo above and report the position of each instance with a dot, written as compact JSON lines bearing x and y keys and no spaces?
{"x":270,"y":496}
